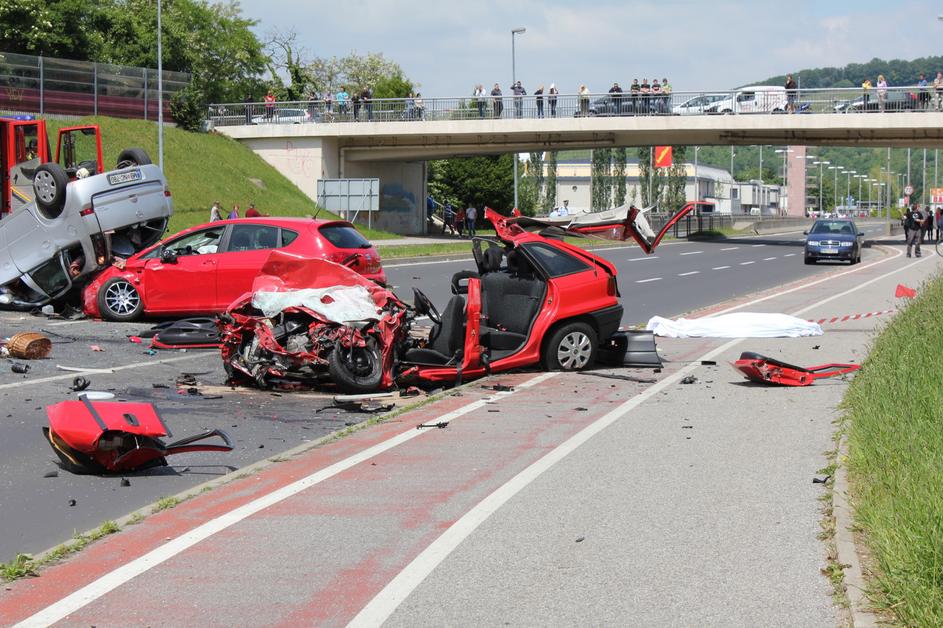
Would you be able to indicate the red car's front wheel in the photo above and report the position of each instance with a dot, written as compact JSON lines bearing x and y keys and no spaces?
{"x":119,"y":300}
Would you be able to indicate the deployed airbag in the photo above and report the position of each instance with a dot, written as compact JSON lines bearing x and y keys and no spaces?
{"x":338,"y":304}
{"x":737,"y":325}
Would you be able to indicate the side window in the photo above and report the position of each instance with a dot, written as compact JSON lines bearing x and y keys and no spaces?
{"x":201,"y":242}
{"x":288,"y":236}
{"x":252,"y":238}
{"x":554,"y":261}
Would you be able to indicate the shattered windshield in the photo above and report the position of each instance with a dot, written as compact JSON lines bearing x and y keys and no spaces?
{"x":51,"y":277}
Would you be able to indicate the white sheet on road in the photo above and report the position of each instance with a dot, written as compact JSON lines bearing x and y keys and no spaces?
{"x":737,"y":325}
{"x":339,"y":304}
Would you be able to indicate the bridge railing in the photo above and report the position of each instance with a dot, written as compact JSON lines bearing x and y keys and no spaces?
{"x":745,"y":101}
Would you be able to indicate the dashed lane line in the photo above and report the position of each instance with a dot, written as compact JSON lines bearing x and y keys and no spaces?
{"x":730,"y":248}
{"x":648,"y":280}
{"x":692,"y":272}
{"x":693,"y":253}
{"x":746,"y":263}
{"x":766,"y":259}
{"x":642,"y":259}
{"x":756,"y":245}
{"x":789,"y":255}
{"x":720,"y":267}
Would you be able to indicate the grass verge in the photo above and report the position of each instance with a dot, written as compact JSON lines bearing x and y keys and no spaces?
{"x":25,"y":565}
{"x":896,"y":460}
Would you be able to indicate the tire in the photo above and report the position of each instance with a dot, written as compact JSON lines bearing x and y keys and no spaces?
{"x":119,"y":301}
{"x":362,"y":373}
{"x":809,"y":261}
{"x":572,"y":347}
{"x":133,"y":157}
{"x":49,"y":187}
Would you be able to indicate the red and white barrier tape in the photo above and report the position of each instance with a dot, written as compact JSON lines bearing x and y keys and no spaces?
{"x":849,"y":317}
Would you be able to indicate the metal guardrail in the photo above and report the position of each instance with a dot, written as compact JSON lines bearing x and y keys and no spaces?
{"x":768,"y":100}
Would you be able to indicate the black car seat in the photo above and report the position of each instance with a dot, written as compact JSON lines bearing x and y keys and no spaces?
{"x":241,"y":239}
{"x":446,"y":338}
{"x":510,"y":303}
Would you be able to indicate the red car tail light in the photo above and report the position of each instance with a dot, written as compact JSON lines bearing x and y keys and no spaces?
{"x":166,"y":191}
{"x":612,"y":288}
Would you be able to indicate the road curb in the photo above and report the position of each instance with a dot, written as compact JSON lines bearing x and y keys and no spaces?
{"x":859,"y":605}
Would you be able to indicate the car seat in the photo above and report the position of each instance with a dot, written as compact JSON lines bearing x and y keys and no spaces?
{"x":509,"y":303}
{"x":846,"y":229}
{"x":446,"y":338}
{"x":240,"y":241}
{"x":265,"y":238}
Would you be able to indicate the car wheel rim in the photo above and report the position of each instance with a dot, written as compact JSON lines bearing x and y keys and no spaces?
{"x":45,"y":186}
{"x":122,"y":298}
{"x":574,"y":351}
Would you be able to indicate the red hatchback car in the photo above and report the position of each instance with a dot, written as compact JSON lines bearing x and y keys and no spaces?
{"x":203,"y":269}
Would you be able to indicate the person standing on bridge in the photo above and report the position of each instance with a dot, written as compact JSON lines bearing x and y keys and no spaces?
{"x":519,"y":93}
{"x":882,"y":92}
{"x":497,"y":100}
{"x":539,"y":99}
{"x":584,"y":100}
{"x":938,"y":90}
{"x":366,"y":98}
{"x":924,"y":92}
{"x":634,"y":90}
{"x":480,"y":100}
{"x":791,"y":94}
{"x":666,"y":95}
{"x":342,"y":98}
{"x":269,"y":105}
{"x":866,"y":93}
{"x":552,"y":100}
{"x":615,"y":93}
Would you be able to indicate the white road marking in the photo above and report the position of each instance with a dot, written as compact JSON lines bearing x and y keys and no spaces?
{"x":641,"y":259}
{"x":439,"y":261}
{"x":730,"y":248}
{"x":399,"y":588}
{"x":746,"y":263}
{"x":693,"y":253}
{"x":114,"y":579}
{"x":647,"y":280}
{"x":789,"y":254}
{"x":766,"y":259}
{"x":756,"y":245}
{"x":720,"y":267}
{"x":693,"y":272}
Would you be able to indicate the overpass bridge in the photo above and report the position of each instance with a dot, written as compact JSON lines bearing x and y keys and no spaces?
{"x":395,"y":143}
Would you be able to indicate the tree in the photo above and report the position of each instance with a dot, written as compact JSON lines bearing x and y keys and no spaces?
{"x":483,"y":181}
{"x":550,"y":194}
{"x":601,"y":179}
{"x":677,"y":176}
{"x":618,"y":160}
{"x":73,"y":29}
{"x":284,"y":55}
{"x":650,"y":180}
{"x":357,"y":72}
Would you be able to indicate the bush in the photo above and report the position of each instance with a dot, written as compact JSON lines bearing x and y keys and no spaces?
{"x":187,"y":109}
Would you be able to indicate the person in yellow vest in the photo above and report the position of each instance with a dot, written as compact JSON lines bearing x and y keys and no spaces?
{"x":866,"y":91}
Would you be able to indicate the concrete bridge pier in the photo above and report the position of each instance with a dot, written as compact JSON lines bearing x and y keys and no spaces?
{"x":305,"y":160}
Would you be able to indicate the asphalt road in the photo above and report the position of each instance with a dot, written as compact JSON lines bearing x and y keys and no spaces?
{"x":680,"y":277}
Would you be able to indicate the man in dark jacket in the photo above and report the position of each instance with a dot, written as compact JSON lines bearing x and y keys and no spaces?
{"x":913,"y":225}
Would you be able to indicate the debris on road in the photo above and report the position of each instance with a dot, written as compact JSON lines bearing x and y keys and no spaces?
{"x":28,"y":345}
{"x":736,"y":325}
{"x":626,"y":378}
{"x":690,"y":379}
{"x":96,"y":348}
{"x":440,"y":425}
{"x":499,"y":388}
{"x":905,"y":292}
{"x":51,"y":474}
{"x":101,"y":437}
{"x":823,"y":480}
{"x":82,"y":369}
{"x":759,"y":368}
{"x":79,"y":384}
{"x":19,"y":367}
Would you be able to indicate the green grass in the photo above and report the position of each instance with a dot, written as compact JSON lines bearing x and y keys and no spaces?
{"x":202,"y":168}
{"x":164,"y":504}
{"x":894,"y":416}
{"x":25,"y":565}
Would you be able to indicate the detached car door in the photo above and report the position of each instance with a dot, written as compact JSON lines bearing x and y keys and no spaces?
{"x":186,"y":282}
{"x":247,"y":247}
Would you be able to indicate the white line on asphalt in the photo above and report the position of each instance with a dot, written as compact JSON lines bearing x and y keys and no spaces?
{"x":730,"y":248}
{"x":81,"y":320}
{"x":746,"y":263}
{"x":720,"y":267}
{"x":126,"y":367}
{"x":788,"y":254}
{"x":439,"y":261}
{"x":114,"y":579}
{"x":693,"y":253}
{"x":692,"y":272}
{"x":766,"y":259}
{"x":756,"y":245}
{"x":647,"y":280}
{"x":399,"y":588}
{"x":641,"y":259}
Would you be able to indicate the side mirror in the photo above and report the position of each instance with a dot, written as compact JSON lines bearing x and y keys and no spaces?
{"x":861,"y":234}
{"x":805,"y":233}
{"x":168,"y":256}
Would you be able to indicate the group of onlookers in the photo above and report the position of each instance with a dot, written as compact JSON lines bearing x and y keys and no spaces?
{"x":456,"y":221}
{"x":216,"y":212}
{"x":919,"y":226}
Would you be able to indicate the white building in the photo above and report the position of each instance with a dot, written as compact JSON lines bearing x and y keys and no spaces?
{"x":714,"y":184}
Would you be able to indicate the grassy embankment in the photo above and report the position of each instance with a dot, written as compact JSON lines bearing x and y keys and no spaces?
{"x":202,"y":168}
{"x":894,"y":420}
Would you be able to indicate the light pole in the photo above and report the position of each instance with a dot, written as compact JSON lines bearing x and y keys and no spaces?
{"x":821,"y":165}
{"x":160,"y":95}
{"x":697,"y":195}
{"x":848,"y":187}
{"x":858,"y":200}
{"x":782,"y":189}
{"x":515,"y":31}
{"x":835,"y":188}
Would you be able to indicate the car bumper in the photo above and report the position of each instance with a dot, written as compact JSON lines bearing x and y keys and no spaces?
{"x":841,"y":254}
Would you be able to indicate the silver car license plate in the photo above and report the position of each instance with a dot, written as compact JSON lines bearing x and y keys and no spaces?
{"x":117,"y":178}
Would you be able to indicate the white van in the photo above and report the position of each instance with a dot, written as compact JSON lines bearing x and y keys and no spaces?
{"x":755,"y":99}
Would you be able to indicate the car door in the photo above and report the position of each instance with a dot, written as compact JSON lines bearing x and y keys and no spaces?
{"x":187,"y":280}
{"x":247,"y":247}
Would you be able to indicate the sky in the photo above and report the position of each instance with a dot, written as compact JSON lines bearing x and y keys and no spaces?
{"x":448,"y":47}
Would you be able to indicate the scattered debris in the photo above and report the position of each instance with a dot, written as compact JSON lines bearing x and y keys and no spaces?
{"x":19,"y":367}
{"x":580,"y":539}
{"x":66,"y":339}
{"x":690,"y":379}
{"x":759,"y":368}
{"x":72,"y":502}
{"x":80,"y":369}
{"x":51,"y":474}
{"x":817,"y":347}
{"x":159,"y":386}
{"x":581,"y":409}
{"x":627,"y":378}
{"x":96,"y":348}
{"x":135,"y":339}
{"x":125,"y":482}
{"x":905,"y":292}
{"x":79,"y":384}
{"x":150,"y":352}
{"x":29,"y":345}
{"x":687,"y":427}
{"x":821,"y":480}
{"x":107,"y":437}
{"x":708,"y":363}
{"x":440,"y":425}
{"x":499,"y":388}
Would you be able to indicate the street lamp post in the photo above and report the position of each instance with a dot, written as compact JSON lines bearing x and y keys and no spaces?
{"x":160,"y":95}
{"x":848,"y":186}
{"x":821,"y":165}
{"x":697,"y":195}
{"x":515,"y":31}
{"x":785,"y":152}
{"x":835,"y":188}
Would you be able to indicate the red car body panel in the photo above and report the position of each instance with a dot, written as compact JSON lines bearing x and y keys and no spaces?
{"x":209,"y":282}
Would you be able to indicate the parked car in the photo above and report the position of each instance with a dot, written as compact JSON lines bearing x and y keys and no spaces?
{"x":833,"y":239}
{"x":202,"y":270}
{"x":283,"y":116}
{"x":896,"y":101}
{"x":755,"y":99}
{"x":533,"y":299}
{"x":697,"y":104}
{"x":71,"y":229}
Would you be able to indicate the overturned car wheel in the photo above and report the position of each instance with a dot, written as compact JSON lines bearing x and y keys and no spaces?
{"x":119,"y":301}
{"x":356,"y":369}
{"x":572,"y":347}
{"x":49,"y":185}
{"x":133,"y":157}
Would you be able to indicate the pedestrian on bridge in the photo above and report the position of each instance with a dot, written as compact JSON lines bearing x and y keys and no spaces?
{"x":366,"y":98}
{"x":866,"y":93}
{"x":552,"y":100}
{"x":924,"y":92}
{"x":584,"y":100}
{"x":882,"y":92}
{"x":791,"y":94}
{"x":480,"y":100}
{"x":497,"y":100}
{"x":539,"y":98}
{"x":519,"y":93}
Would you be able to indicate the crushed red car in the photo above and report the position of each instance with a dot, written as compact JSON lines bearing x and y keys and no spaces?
{"x":533,"y":299}
{"x":202,"y":270}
